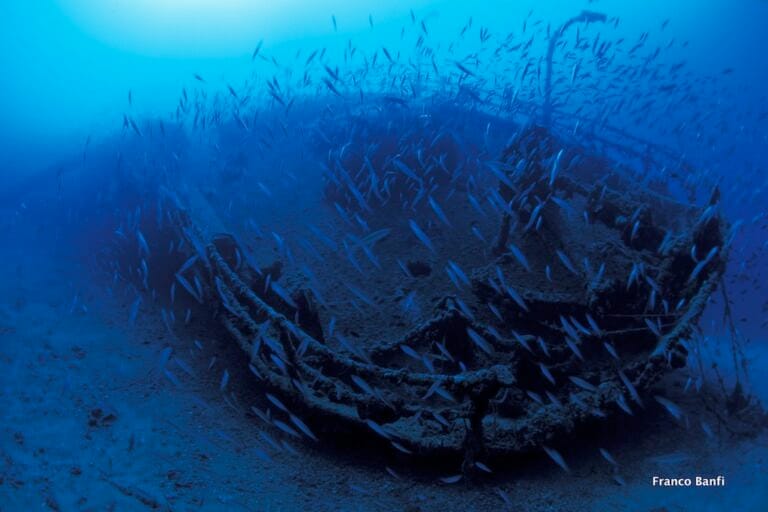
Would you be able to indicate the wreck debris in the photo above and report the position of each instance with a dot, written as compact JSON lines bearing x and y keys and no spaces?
{"x":577,"y":311}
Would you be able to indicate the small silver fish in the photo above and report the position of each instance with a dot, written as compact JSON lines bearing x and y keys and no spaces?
{"x":451,"y":479}
{"x":438,"y":211}
{"x":303,"y":427}
{"x":378,"y":429}
{"x":545,"y":371}
{"x":583,"y":384}
{"x":555,"y":168}
{"x":611,"y":349}
{"x":276,"y":402}
{"x":566,"y":261}
{"x":555,"y":456}
{"x":670,"y":406}
{"x":287,"y":429}
{"x":134,"y":311}
{"x":401,"y":448}
{"x":479,"y":341}
{"x":423,"y":238}
{"x":519,"y":256}
{"x":574,"y":348}
{"x":631,"y":388}
{"x":607,"y":456}
{"x":483,"y":467}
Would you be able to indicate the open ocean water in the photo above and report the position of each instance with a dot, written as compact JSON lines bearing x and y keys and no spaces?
{"x":423,"y":255}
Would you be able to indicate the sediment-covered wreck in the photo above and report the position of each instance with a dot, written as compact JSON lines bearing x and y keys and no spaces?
{"x":461,"y":301}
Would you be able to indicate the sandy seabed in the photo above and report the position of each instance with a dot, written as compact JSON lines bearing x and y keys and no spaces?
{"x":89,"y":422}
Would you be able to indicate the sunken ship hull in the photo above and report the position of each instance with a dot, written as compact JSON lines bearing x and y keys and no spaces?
{"x":556,"y":303}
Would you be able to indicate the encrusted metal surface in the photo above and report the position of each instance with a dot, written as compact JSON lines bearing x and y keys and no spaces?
{"x":536,"y":346}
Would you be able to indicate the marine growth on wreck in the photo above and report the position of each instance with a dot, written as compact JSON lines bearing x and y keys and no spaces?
{"x":462,"y":258}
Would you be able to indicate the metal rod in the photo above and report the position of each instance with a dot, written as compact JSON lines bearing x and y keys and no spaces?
{"x":584,"y":17}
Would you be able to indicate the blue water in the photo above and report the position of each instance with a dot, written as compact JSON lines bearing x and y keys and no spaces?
{"x":118,"y":393}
